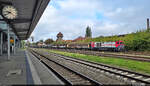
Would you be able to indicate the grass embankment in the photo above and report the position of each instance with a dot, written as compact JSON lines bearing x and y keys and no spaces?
{"x":138,"y":41}
{"x":138,"y":66}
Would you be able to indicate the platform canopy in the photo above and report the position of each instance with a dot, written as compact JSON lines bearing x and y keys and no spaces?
{"x":29,"y":13}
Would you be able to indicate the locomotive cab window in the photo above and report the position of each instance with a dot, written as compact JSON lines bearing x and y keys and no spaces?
{"x":121,"y":42}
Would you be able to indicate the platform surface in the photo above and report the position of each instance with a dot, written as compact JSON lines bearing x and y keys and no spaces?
{"x":24,"y":69}
{"x":13,"y":71}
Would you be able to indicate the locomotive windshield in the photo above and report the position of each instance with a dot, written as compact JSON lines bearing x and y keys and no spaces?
{"x":121,"y":42}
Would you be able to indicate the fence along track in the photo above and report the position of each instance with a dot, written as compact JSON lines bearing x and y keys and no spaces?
{"x":141,"y":79}
{"x":70,"y":76}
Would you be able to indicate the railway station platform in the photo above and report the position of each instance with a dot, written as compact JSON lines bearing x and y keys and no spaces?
{"x":24,"y":69}
{"x":17,"y":66}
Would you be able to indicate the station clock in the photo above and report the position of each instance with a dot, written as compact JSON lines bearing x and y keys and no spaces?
{"x":9,"y":12}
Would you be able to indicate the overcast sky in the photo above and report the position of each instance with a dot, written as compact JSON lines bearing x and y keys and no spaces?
{"x":105,"y":17}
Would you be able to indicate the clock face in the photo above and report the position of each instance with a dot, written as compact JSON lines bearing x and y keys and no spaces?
{"x":9,"y":12}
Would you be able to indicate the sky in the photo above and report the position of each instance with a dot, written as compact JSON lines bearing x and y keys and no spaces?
{"x":105,"y":17}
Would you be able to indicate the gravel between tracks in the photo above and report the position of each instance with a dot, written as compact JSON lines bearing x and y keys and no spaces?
{"x":90,"y":72}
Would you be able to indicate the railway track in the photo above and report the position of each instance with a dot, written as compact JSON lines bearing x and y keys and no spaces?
{"x":127,"y":76}
{"x":95,"y":53}
{"x":69,"y":76}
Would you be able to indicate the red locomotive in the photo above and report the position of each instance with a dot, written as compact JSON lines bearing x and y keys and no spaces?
{"x":113,"y":46}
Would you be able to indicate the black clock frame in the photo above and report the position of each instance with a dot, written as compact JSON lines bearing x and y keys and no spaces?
{"x":2,"y":5}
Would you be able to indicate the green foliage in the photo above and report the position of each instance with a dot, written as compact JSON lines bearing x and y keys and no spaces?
{"x":34,"y":43}
{"x":49,"y":41}
{"x":88,"y":32}
{"x":41,"y":41}
{"x":138,"y":41}
{"x":32,"y":38}
{"x":23,"y":44}
{"x":37,"y":42}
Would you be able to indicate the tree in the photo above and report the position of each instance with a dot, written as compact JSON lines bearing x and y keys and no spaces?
{"x":48,"y":41}
{"x":88,"y":32}
{"x":33,"y":43}
{"x":32,"y":38}
{"x":41,"y":41}
{"x":23,"y":43}
{"x":37,"y":42}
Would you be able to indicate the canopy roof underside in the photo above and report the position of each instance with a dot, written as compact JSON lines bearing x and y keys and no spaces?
{"x":29,"y":13}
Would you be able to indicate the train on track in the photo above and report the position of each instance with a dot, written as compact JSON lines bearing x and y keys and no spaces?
{"x":111,"y":46}
{"x":105,"y":46}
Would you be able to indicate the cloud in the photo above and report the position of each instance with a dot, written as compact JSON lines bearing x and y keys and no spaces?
{"x":105,"y":17}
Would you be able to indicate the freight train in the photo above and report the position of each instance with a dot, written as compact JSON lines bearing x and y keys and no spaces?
{"x":105,"y":46}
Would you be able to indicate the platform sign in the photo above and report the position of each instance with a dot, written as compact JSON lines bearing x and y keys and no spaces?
{"x":11,"y":41}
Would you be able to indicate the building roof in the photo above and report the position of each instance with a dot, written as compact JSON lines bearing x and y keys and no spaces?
{"x":29,"y":13}
{"x":79,"y":38}
{"x":67,"y":40}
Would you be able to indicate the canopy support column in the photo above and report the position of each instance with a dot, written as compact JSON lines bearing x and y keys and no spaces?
{"x":8,"y":40}
{"x":19,"y":44}
{"x":14,"y":44}
{"x":1,"y":46}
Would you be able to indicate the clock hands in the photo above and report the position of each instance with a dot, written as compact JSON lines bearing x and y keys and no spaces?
{"x":9,"y":12}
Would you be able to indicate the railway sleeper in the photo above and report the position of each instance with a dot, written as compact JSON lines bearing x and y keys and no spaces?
{"x":148,"y":79}
{"x":131,"y":75}
{"x":138,"y":77}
